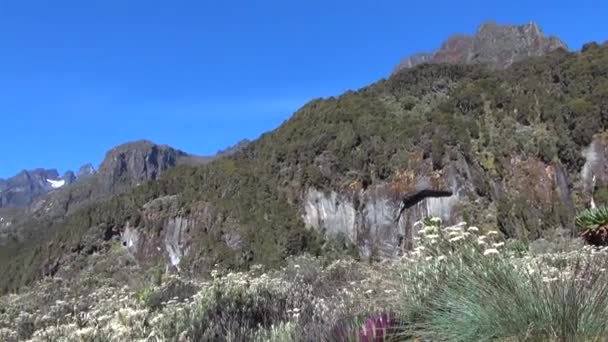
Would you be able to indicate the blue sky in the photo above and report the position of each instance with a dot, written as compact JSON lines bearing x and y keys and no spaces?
{"x":78,"y":77}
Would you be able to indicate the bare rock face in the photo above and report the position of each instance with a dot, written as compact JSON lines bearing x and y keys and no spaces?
{"x":594,"y":175}
{"x":85,"y":171}
{"x":378,"y":219}
{"x":133,"y":163}
{"x":167,"y":232}
{"x":495,"y":45}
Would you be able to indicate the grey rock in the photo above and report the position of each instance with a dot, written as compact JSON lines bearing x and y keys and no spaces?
{"x":85,"y":171}
{"x":19,"y":191}
{"x":132,"y":163}
{"x":69,"y":177}
{"x":495,"y":45}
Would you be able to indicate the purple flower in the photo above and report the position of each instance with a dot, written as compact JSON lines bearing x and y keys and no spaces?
{"x":376,"y":328}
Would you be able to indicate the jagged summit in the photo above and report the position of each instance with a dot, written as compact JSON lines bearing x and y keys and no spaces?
{"x":20,"y":190}
{"x":493,"y":44}
{"x":85,"y":171}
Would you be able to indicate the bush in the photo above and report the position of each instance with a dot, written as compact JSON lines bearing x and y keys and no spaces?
{"x":466,"y":288}
{"x":593,"y":225}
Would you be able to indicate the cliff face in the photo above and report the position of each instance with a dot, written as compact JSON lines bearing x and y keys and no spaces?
{"x":495,"y":45}
{"x":133,"y":163}
{"x":376,"y":219}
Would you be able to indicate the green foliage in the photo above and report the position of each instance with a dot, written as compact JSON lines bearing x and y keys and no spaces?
{"x":592,"y":218}
{"x":517,"y":247}
{"x":463,"y":287}
{"x":492,"y":300}
{"x":593,"y":225}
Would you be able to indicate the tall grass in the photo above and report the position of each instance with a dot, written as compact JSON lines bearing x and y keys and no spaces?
{"x":469,"y":296}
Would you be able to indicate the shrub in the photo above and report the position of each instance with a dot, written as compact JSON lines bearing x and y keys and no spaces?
{"x":593,"y":225}
{"x":465,"y":288}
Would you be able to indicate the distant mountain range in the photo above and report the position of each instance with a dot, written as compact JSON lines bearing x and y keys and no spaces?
{"x":22,"y":189}
{"x":123,"y":167}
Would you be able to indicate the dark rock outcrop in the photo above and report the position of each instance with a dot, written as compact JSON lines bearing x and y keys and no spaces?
{"x":495,"y":45}
{"x":132,"y":163}
{"x":85,"y":171}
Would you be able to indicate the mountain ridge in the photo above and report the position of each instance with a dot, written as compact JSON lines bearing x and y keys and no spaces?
{"x":492,"y":44}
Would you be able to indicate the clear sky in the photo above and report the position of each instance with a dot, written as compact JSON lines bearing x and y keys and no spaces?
{"x":78,"y":77}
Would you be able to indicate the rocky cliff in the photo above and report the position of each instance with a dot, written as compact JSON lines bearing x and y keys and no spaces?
{"x":132,"y":163}
{"x":495,"y":45}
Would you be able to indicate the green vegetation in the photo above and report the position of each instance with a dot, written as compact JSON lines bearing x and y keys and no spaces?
{"x":543,"y":110}
{"x":459,"y":284}
{"x":488,"y":291}
{"x":593,"y":225}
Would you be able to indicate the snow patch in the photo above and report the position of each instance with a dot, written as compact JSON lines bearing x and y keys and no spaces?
{"x":55,"y":184}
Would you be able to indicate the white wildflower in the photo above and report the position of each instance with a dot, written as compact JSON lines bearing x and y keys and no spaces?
{"x":86,"y":331}
{"x":490,"y":251}
{"x":456,"y":239}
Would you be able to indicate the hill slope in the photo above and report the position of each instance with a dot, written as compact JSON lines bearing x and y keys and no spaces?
{"x":518,"y":148}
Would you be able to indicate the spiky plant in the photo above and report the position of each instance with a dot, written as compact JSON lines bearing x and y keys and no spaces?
{"x":593,"y":225}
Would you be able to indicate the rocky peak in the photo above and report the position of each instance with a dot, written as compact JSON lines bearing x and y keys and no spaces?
{"x":69,"y":177}
{"x":23,"y":188}
{"x":135,"y":162}
{"x":85,"y":171}
{"x":493,"y":44}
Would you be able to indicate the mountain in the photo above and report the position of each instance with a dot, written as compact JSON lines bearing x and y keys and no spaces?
{"x":519,"y":149}
{"x":124,"y":167}
{"x":23,"y":188}
{"x":495,"y":45}
{"x":44,"y":192}
{"x":85,"y":171}
{"x":132,"y":163}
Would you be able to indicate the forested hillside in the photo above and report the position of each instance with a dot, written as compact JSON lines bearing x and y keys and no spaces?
{"x":519,"y":132}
